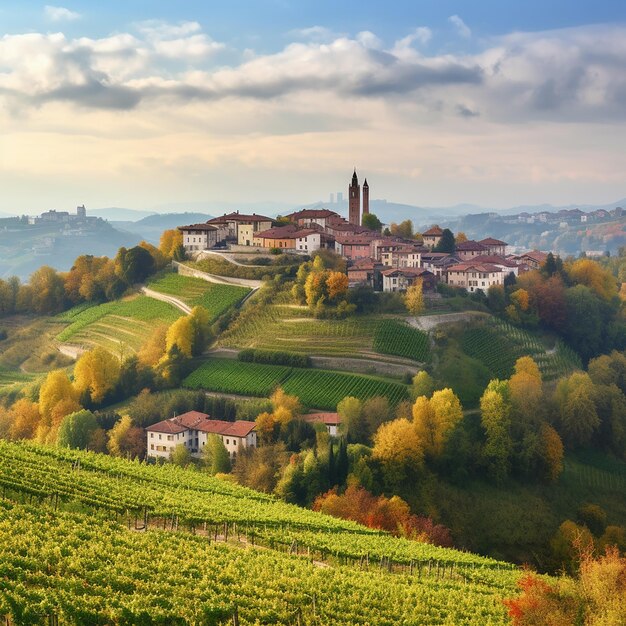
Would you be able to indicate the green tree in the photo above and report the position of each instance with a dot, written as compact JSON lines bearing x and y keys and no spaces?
{"x":578,"y":418}
{"x":353,"y":426}
{"x":180,"y":455}
{"x":215,"y":456}
{"x":495,"y":410}
{"x":372,"y":222}
{"x":423,"y":385}
{"x":77,"y":429}
{"x":446,"y":243}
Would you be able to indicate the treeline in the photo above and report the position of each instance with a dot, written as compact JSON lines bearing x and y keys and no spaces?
{"x":91,"y":278}
{"x":576,"y":299}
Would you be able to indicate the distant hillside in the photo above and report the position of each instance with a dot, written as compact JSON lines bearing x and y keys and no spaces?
{"x":120,"y":214}
{"x":151,"y":227}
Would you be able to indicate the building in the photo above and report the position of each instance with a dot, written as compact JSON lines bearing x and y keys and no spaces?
{"x":367,"y":272}
{"x":438,"y":263}
{"x":533,"y":259}
{"x":283,"y":237}
{"x":310,"y":240}
{"x":203,"y":236}
{"x":330,"y":420}
{"x":400,"y":279}
{"x":404,"y":255}
{"x":230,"y":223}
{"x":473,"y":276}
{"x":192,"y":430}
{"x":61,"y":217}
{"x":432,"y":236}
{"x":353,"y":247}
{"x":494,"y":246}
{"x":354,"y":201}
{"x":366,"y":199}
{"x":310,"y":217}
{"x":467,"y":250}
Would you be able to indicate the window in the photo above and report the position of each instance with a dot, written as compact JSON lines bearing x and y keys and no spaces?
{"x":227,"y":442}
{"x":160,"y":436}
{"x":151,"y":446}
{"x":170,"y":438}
{"x":151,"y":435}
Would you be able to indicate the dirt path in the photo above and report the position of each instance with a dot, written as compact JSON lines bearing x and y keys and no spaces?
{"x":185,"y":270}
{"x":73,"y":352}
{"x":179,"y":304}
{"x":428,"y":322}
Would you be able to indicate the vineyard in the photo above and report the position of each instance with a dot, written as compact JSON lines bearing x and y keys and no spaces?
{"x":499,"y":344}
{"x":160,"y":544}
{"x":14,"y":377}
{"x":316,"y":388}
{"x":393,"y":337}
{"x":194,"y":291}
{"x":119,"y":326}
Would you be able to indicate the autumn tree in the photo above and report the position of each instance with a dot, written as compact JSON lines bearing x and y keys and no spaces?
{"x":495,"y":410}
{"x":376,"y":411}
{"x":169,"y":242}
{"x":578,"y":418}
{"x":398,"y":447}
{"x":423,"y":385}
{"x":414,"y":298}
{"x":182,"y":335}
{"x":353,"y":425}
{"x":461,"y":237}
{"x":591,"y":274}
{"x":57,"y":398}
{"x":48,"y":290}
{"x":435,"y":419}
{"x":152,"y":351}
{"x":24,"y":418}
{"x":97,"y":374}
{"x":126,"y":439}
{"x":550,"y":452}
{"x":215,"y":456}
{"x":403,"y":229}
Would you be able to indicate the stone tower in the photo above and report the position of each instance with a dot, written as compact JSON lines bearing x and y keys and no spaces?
{"x":366,"y":198}
{"x":354,"y":201}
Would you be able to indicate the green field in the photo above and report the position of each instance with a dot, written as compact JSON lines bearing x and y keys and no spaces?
{"x":393,"y":337}
{"x":120,"y":327}
{"x":319,"y":389}
{"x":278,"y":564}
{"x":194,"y":291}
{"x":499,"y":344}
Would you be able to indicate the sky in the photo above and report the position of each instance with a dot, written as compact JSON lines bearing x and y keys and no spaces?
{"x":146,"y":104}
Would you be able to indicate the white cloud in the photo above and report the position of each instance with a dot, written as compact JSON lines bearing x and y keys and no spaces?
{"x":462,"y":28}
{"x":60,"y":14}
{"x":317,"y":34}
{"x":369,"y":40}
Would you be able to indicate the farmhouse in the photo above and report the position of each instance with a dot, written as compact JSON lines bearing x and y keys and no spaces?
{"x":533,"y":259}
{"x":192,"y":430}
{"x":401,"y":278}
{"x":201,"y":236}
{"x":473,"y":276}
{"x":330,"y":420}
{"x":432,"y":236}
{"x":354,"y":247}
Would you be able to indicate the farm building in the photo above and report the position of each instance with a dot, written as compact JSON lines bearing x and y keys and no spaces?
{"x":192,"y":430}
{"x":473,"y":276}
{"x":401,"y":278}
{"x":330,"y":420}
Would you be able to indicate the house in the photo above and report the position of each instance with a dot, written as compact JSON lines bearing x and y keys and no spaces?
{"x":432,"y":236}
{"x":473,"y":276}
{"x":201,"y":236}
{"x":506,"y":265}
{"x":283,"y":237}
{"x":400,"y":279}
{"x":438,"y":263}
{"x":192,"y":430}
{"x":467,"y":250}
{"x":354,"y":247}
{"x":230,"y":223}
{"x":330,"y":420}
{"x":494,"y":246}
{"x":366,"y":272}
{"x":311,"y":239}
{"x":307,"y":217}
{"x":533,"y":259}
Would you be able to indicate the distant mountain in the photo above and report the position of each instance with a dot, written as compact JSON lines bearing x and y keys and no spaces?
{"x":266,"y":207}
{"x":120,"y":214}
{"x":151,"y":227}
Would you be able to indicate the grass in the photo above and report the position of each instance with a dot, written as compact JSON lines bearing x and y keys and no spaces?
{"x":117,"y":326}
{"x":194,"y":291}
{"x":316,"y":388}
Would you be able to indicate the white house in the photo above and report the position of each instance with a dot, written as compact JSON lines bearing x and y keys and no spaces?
{"x":192,"y":430}
{"x":401,"y":278}
{"x":474,"y":276}
{"x":310,"y":240}
{"x":198,"y":237}
{"x":230,"y":223}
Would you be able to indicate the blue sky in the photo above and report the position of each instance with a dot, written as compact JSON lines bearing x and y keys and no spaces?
{"x":143,"y":103}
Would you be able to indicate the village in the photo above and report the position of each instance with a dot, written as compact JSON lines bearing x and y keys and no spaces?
{"x":382,"y":261}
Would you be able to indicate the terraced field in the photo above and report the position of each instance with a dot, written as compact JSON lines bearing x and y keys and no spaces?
{"x":393,"y":337}
{"x":499,"y":344}
{"x":194,"y":291}
{"x":120,"y":327}
{"x":319,"y":389}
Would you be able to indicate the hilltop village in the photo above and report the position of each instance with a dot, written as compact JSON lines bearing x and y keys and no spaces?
{"x":376,"y":257}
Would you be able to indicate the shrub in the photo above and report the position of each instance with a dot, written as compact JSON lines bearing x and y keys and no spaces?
{"x":274,"y":357}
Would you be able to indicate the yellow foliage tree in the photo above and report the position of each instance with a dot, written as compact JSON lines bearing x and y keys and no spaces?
{"x":265,"y":424}
{"x":280,"y":399}
{"x":153,"y":349}
{"x":461,"y":237}
{"x":96,"y":372}
{"x":24,"y":419}
{"x":521,"y":299}
{"x":397,"y":443}
{"x":337,"y":285}
{"x":436,"y":418}
{"x":593,"y":275}
{"x":57,"y":389}
{"x":414,"y":298}
{"x":170,"y":240}
{"x":181,"y":334}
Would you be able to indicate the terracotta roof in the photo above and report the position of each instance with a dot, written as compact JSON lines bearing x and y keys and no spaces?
{"x":364,"y":264}
{"x":240,"y":217}
{"x":167,"y":426}
{"x":470,"y":245}
{"x":311,"y":214}
{"x":280,"y":232}
{"x":407,"y":271}
{"x":194,"y":420}
{"x":435,"y":231}
{"x":330,"y":419}
{"x":536,"y":255}
{"x":490,"y":241}
{"x":203,"y":226}
{"x":477,"y":267}
{"x":494,"y":259}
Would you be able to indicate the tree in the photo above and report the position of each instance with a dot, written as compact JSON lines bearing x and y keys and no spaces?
{"x":398,"y":447}
{"x":337,"y":285}
{"x":578,"y":418}
{"x":48,"y":290}
{"x":353,"y":426}
{"x":24,"y":418}
{"x":597,"y":278}
{"x":181,"y":334}
{"x":549,"y":267}
{"x":134,"y":265}
{"x":169,"y":242}
{"x":152,"y":351}
{"x":76,"y":430}
{"x":446,"y":243}
{"x":126,"y":440}
{"x":495,"y":410}
{"x":376,"y":411}
{"x":423,"y":385}
{"x":54,"y":394}
{"x":372,"y":222}
{"x":414,"y":298}
{"x":403,"y":229}
{"x":200,"y":320}
{"x":496,"y":299}
{"x":180,"y":455}
{"x":551,"y":452}
{"x":435,"y":419}
{"x":96,"y":372}
{"x":461,"y":237}
{"x":583,"y":323}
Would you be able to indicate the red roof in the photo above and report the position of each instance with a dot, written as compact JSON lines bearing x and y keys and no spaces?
{"x":494,"y":259}
{"x":355,"y":240}
{"x":435,"y":231}
{"x":535,"y":255}
{"x":477,"y":267}
{"x":470,"y":246}
{"x":239,"y":217}
{"x":330,"y":419}
{"x":194,"y":420}
{"x":280,"y":232}
{"x":203,"y":226}
{"x":311,"y":214}
{"x":490,"y":241}
{"x":407,"y":271}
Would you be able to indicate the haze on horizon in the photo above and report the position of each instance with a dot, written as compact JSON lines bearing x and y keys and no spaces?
{"x":120,"y":105}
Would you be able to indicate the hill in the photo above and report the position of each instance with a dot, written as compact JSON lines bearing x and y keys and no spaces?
{"x":120,"y":214}
{"x":205,"y":549}
{"x":152,"y":226}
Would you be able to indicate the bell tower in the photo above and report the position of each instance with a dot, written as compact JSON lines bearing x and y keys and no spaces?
{"x":366,"y":198}
{"x":354,"y":201}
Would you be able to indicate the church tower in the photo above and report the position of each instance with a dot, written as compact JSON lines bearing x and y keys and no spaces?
{"x":354,"y":201}
{"x":366,"y":198}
